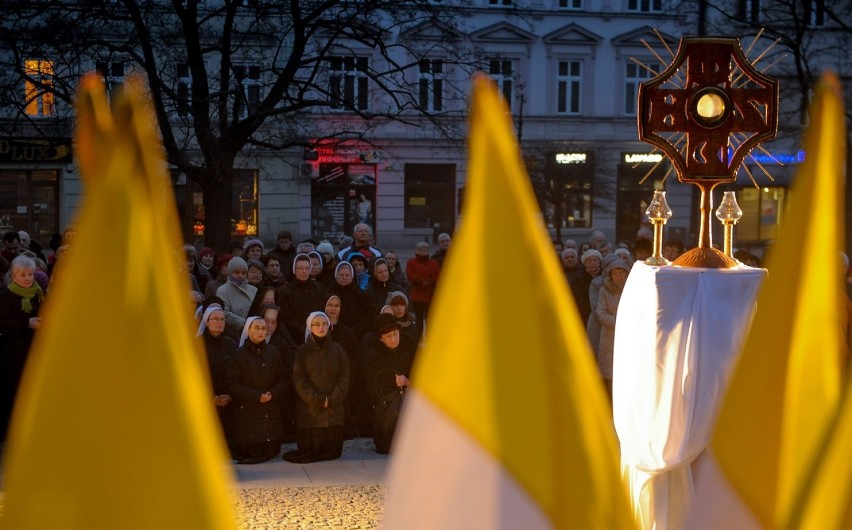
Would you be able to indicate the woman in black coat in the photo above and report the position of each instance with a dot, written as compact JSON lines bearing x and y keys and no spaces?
{"x":256,"y":383}
{"x":321,"y":378}
{"x":381,"y":284}
{"x":220,"y":351}
{"x":19,"y":305}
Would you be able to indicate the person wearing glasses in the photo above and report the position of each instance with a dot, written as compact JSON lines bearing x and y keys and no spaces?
{"x":220,"y":351}
{"x":321,"y":379}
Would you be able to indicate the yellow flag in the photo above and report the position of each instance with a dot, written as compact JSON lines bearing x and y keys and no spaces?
{"x":506,"y":364}
{"x":786,"y":387}
{"x":114,"y":426}
{"x":826,"y":502}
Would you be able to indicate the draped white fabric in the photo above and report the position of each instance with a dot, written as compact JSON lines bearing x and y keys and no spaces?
{"x":677,"y":334}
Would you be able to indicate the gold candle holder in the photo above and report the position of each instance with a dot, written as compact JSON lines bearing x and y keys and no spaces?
{"x":729,"y":212}
{"x":658,"y":213}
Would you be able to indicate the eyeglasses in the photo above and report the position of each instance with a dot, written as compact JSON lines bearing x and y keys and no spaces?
{"x":319,"y":324}
{"x":215,"y":319}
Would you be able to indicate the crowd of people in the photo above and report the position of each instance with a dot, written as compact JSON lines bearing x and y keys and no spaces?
{"x":305,"y":342}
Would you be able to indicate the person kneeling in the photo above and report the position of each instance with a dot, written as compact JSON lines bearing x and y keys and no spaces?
{"x":321,"y":379}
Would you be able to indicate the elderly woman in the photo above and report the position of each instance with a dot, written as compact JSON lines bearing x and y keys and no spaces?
{"x":321,"y":378}
{"x":591,"y":260}
{"x":237,"y":293}
{"x":256,"y":382}
{"x":220,"y":351}
{"x":19,"y":306}
{"x":387,"y":367}
{"x":615,"y":276}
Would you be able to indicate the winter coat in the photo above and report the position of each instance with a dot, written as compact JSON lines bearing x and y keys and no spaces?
{"x":237,"y":299}
{"x":257,"y":368}
{"x":608,"y":299}
{"x":299,"y":299}
{"x":355,"y":309}
{"x":320,"y":373}
{"x":220,"y":354}
{"x":381,"y":366}
{"x":423,"y":275}
{"x":377,"y":293}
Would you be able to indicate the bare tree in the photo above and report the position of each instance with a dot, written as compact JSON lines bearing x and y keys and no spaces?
{"x":231,"y":76}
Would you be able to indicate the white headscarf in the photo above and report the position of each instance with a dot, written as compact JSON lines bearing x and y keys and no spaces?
{"x":311,"y":318}
{"x":246,"y":327}
{"x":207,"y":312}
{"x":301,"y":257}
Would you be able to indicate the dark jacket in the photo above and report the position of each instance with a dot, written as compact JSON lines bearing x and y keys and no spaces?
{"x":381,"y":366}
{"x":257,"y":368}
{"x":355,"y":309}
{"x":377,"y":293}
{"x":299,"y":299}
{"x":220,"y":353}
{"x":320,"y":373}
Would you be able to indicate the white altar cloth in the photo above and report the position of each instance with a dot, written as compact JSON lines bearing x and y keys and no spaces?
{"x":677,"y":334}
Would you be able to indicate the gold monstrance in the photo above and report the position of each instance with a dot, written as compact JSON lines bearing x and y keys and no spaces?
{"x":706,"y":111}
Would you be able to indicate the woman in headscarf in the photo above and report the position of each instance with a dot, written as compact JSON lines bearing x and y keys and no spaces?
{"x":615,"y":276}
{"x":356,"y":417}
{"x":19,"y":306}
{"x":287,"y":350}
{"x":380,"y":284}
{"x":355,"y":307}
{"x":256,"y":382}
{"x":399,"y":309}
{"x":321,"y":378}
{"x":298,"y":298}
{"x":220,"y":351}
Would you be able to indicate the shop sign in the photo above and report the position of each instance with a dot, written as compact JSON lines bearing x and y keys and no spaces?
{"x":642,"y":158}
{"x":570,"y":158}
{"x":17,"y":150}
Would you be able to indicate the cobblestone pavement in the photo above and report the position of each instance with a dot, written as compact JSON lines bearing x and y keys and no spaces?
{"x":347,"y":507}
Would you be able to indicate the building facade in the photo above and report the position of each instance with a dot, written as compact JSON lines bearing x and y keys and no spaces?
{"x":570,"y":71}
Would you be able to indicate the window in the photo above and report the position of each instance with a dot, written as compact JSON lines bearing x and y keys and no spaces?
{"x":568,"y":84}
{"x":501,"y":71}
{"x":500,"y":3}
{"x":432,"y":85}
{"x":645,"y":6}
{"x":570,"y":4}
{"x":814,"y":12}
{"x":430,"y":196}
{"x":112,"y":73}
{"x":184,"y":86}
{"x":244,"y":202}
{"x":348,"y":83}
{"x":38,"y":85}
{"x":633,"y":77}
{"x":247,"y":77}
{"x":748,"y":10}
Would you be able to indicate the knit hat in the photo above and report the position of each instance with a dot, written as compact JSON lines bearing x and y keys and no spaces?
{"x":384,"y":323}
{"x":256,"y":263}
{"x":325,"y":248}
{"x":237,"y":263}
{"x":251,"y":242}
{"x":394,"y":295}
{"x":591,"y":253}
{"x":205,"y":252}
{"x":613,"y":264}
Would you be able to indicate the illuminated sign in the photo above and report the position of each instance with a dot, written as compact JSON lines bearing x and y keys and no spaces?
{"x":777,"y":158}
{"x":570,"y":158}
{"x":642,"y":158}
{"x":17,"y":150}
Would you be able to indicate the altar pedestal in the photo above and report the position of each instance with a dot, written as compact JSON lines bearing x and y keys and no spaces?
{"x":677,"y":335}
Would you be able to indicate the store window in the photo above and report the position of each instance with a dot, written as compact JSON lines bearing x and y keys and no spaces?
{"x":244,"y":199}
{"x":639,"y":174}
{"x":763,"y":211}
{"x":29,"y":200}
{"x":430,"y":196}
{"x":38,"y":88}
{"x":566,"y":193}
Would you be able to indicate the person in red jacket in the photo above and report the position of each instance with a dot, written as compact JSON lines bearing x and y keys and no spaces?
{"x":422,"y":272}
